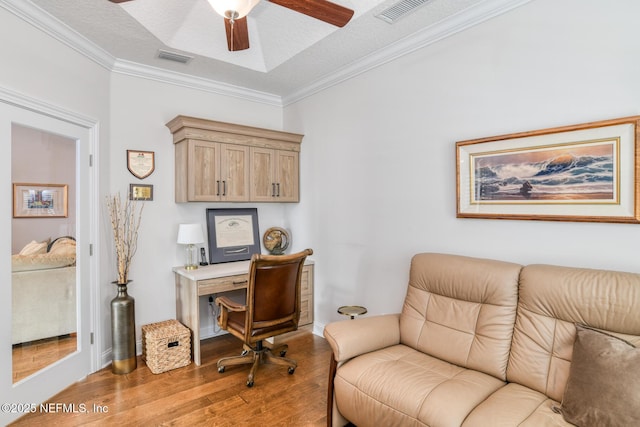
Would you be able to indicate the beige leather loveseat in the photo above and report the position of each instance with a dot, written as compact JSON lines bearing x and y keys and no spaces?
{"x":488,"y":343}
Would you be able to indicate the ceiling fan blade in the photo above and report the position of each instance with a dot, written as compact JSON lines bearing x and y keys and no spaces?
{"x":320,"y":9}
{"x":238,"y":38}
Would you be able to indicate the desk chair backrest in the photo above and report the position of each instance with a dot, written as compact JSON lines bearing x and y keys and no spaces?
{"x":273,"y":295}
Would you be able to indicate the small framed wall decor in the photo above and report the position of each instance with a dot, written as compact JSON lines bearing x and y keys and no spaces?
{"x":586,"y":172}
{"x":140,"y":192}
{"x":40,"y":200}
{"x":141,"y":164}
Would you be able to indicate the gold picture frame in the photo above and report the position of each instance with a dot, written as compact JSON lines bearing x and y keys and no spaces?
{"x":585,"y":172}
{"x":40,"y":200}
{"x":141,"y":192}
{"x":141,"y":164}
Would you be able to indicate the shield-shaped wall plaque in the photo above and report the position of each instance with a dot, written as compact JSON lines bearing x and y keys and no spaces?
{"x":140,"y":163}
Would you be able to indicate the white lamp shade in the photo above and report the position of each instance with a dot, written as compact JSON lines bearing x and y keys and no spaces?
{"x":190,"y":234}
{"x":235,"y":9}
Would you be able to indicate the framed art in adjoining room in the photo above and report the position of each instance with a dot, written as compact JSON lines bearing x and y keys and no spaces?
{"x":585,"y":172}
{"x":232,"y":234}
{"x":39,"y":200}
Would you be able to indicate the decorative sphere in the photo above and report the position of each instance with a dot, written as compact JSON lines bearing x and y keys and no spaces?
{"x":276,"y":240}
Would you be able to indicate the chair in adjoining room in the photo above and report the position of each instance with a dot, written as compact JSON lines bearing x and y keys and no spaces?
{"x":272,"y":308}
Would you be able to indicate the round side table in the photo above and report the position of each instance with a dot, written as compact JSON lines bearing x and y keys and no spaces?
{"x":352,"y":310}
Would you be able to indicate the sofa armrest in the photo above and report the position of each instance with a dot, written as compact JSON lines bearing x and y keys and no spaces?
{"x":350,"y":338}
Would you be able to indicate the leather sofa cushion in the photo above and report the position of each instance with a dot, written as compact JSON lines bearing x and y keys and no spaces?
{"x":516,"y":405}
{"x":351,"y":338}
{"x":552,"y":300}
{"x":401,"y":386}
{"x":461,"y":310}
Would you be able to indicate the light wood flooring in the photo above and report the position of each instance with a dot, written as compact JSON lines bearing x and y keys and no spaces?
{"x":30,"y":357}
{"x":199,"y":395}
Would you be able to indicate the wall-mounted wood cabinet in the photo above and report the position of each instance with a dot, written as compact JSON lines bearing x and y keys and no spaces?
{"x":214,"y":172}
{"x":216,"y":161}
{"x":275,"y":175}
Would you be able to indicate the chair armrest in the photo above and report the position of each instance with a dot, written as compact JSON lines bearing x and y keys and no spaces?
{"x":226,"y":305}
{"x":229,"y":304}
{"x":350,"y":338}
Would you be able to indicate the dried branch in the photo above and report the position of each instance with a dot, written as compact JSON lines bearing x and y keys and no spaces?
{"x":125,"y":221}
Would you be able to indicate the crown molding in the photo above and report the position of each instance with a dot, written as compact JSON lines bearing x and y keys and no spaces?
{"x":193,"y":82}
{"x":457,"y":23}
{"x":57,"y":29}
{"x":429,"y":35}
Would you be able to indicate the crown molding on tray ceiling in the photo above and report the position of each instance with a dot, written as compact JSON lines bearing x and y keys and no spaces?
{"x":455,"y":24}
{"x":194,"y":82}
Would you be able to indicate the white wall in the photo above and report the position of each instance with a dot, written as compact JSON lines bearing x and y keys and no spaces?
{"x":131,"y":113}
{"x":43,"y":158}
{"x":380,"y":148}
{"x":378,"y":159}
{"x":43,"y":69}
{"x":139,"y":111}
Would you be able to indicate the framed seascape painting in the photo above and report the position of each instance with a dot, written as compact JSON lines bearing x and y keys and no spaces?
{"x":39,"y":200}
{"x":586,"y":172}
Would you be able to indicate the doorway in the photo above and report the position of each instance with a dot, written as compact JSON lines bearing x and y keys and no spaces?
{"x":43,"y":247}
{"x":51,"y":192}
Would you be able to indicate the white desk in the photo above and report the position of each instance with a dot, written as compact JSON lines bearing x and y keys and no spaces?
{"x":218,"y":278}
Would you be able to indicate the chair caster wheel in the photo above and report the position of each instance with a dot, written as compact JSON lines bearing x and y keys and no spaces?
{"x":291,"y":371}
{"x":221,"y":369}
{"x":244,"y":353}
{"x":283,"y":353}
{"x":250,"y":383}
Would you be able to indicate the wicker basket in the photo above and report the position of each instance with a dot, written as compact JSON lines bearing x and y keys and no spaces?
{"x":166,"y":345}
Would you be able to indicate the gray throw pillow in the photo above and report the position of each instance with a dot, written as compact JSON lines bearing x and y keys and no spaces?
{"x":603,"y":388}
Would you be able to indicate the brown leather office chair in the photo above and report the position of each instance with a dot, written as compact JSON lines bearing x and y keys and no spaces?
{"x":272,"y":308}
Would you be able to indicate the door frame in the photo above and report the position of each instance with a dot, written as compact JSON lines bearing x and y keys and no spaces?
{"x":90,"y":127}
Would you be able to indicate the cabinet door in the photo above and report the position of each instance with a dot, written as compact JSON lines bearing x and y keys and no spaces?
{"x":287,"y":178}
{"x":203,"y":182}
{"x":234,"y":173}
{"x":262,"y":178}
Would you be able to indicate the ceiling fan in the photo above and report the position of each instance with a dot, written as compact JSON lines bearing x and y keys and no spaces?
{"x":235,"y":12}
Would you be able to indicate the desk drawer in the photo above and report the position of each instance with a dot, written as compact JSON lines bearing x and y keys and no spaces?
{"x":306,"y":310}
{"x":222,"y":284}
{"x":305,"y":282}
{"x":306,"y":296}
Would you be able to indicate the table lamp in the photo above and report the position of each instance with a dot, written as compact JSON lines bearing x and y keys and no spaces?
{"x":190,"y":235}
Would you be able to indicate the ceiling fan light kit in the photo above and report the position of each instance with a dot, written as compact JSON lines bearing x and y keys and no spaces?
{"x":234,"y":13}
{"x":233,"y":9}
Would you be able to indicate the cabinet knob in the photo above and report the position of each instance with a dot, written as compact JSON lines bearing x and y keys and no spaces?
{"x":217,"y":188}
{"x":224,"y":188}
{"x":273,"y":189}
{"x":278,"y":187}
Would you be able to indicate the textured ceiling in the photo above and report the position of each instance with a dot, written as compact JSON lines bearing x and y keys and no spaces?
{"x":289,"y":51}
{"x":276,"y":34}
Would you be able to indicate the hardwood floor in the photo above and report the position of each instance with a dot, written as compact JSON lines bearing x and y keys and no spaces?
{"x":30,"y":357}
{"x":199,"y":395}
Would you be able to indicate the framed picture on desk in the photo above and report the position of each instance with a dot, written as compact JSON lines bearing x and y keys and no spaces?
{"x":232,"y":234}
